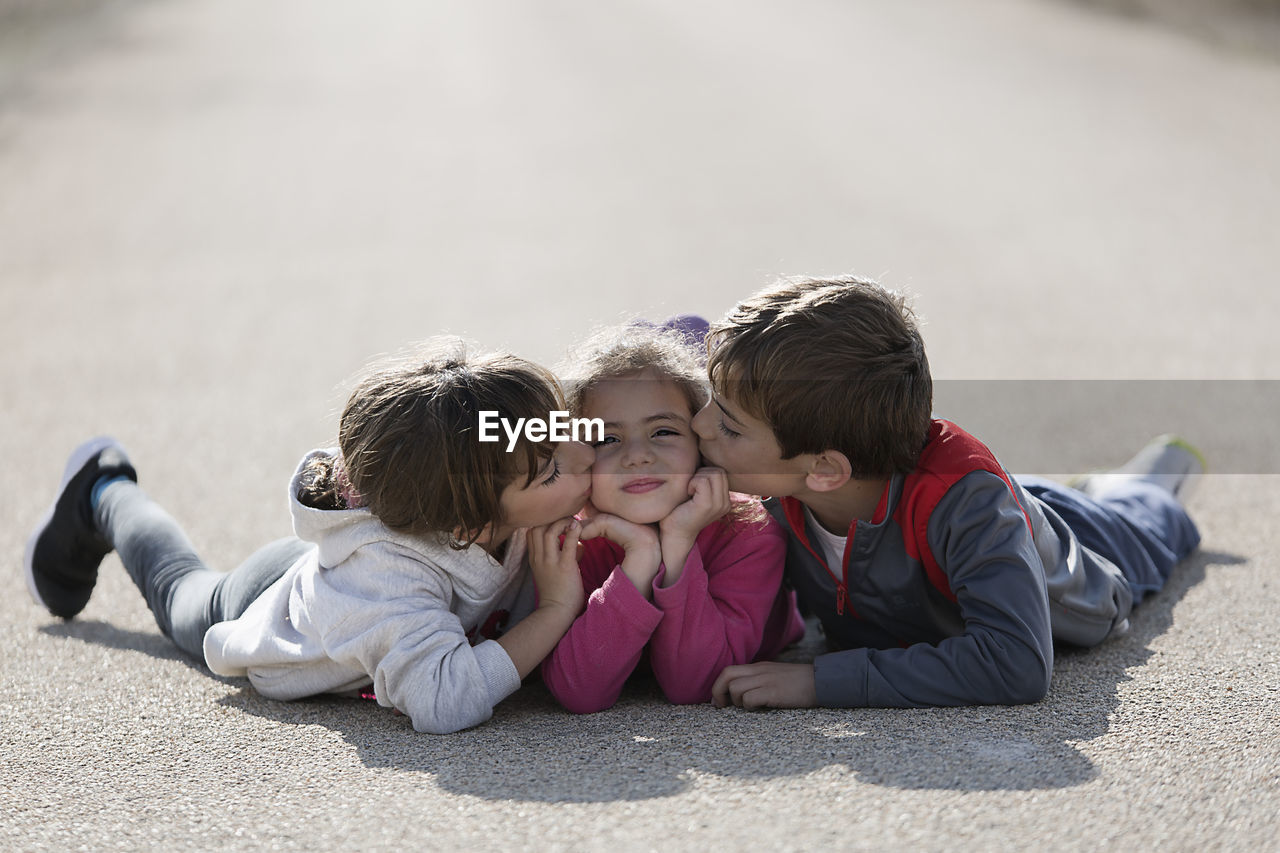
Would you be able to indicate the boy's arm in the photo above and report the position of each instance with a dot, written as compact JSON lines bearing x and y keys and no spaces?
{"x":982,"y":540}
{"x":1005,"y":654}
{"x":715,"y":615}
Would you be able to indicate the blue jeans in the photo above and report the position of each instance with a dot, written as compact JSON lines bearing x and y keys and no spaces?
{"x":1139,"y":526}
{"x":185,"y":595}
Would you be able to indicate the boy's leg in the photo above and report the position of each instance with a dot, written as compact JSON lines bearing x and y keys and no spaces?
{"x":185,"y":595}
{"x":1138,"y":526}
{"x":1166,"y":461}
{"x":1133,"y":516}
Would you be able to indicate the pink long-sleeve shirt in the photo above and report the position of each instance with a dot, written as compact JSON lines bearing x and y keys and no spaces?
{"x":727,"y":607}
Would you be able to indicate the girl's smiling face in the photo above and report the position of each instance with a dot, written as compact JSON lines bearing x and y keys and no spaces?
{"x":649,"y":452}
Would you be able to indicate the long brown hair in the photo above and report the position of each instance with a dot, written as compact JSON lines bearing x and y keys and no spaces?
{"x":409,"y":438}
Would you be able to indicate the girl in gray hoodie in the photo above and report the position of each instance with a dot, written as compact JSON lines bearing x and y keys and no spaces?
{"x":408,"y":575}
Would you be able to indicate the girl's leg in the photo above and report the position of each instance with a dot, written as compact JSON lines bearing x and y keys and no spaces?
{"x":185,"y":595}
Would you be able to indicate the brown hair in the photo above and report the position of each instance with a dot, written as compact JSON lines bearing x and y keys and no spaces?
{"x":829,"y":364}
{"x":622,"y":351}
{"x":410,"y":441}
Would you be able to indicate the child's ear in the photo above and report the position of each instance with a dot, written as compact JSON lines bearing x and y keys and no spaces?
{"x":481,"y":536}
{"x":829,"y":471}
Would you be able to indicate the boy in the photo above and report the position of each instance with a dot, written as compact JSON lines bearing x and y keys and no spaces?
{"x":944,"y":580}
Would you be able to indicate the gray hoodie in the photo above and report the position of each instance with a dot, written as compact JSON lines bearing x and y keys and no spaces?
{"x":371,"y":606}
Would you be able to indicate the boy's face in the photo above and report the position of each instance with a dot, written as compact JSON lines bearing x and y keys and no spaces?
{"x":746,"y":449}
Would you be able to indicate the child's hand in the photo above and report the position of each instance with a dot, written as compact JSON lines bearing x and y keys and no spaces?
{"x":766,"y":685}
{"x":627,"y":535}
{"x":708,"y":500}
{"x":643,"y":556}
{"x":553,"y":557}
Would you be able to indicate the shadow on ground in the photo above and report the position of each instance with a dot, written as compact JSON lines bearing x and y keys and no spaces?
{"x":101,"y":633}
{"x":644,"y":748}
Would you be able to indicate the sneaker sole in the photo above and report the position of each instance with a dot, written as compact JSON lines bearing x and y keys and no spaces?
{"x":79,"y":457}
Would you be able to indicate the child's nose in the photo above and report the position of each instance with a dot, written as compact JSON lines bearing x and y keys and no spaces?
{"x":637,"y":453}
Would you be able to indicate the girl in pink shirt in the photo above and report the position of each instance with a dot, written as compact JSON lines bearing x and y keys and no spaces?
{"x":674,"y":565}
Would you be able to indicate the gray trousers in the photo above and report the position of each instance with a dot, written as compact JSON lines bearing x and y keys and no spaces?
{"x":185,"y":595}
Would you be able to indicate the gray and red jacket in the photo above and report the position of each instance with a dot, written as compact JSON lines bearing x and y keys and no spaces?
{"x":956,"y":589}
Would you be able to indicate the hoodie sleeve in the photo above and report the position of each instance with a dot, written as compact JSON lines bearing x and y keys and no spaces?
{"x":716,"y":612}
{"x":981,"y":539}
{"x":398,"y":628}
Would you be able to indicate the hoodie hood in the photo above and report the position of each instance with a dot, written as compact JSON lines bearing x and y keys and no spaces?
{"x":340,"y":533}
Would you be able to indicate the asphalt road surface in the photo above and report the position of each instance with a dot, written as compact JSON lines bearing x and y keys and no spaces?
{"x":213,"y":211}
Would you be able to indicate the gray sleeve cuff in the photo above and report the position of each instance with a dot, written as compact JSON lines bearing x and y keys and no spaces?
{"x":500,"y":675}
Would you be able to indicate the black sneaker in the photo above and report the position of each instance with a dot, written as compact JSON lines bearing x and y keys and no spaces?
{"x":62,"y":556}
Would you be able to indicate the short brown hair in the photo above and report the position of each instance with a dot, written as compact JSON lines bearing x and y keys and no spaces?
{"x":829,"y":364}
{"x":410,"y":443}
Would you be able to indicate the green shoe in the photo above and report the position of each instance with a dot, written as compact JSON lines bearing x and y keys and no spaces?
{"x":1167,"y":461}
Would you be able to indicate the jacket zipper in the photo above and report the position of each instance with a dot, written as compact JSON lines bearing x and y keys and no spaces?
{"x":842,"y":586}
{"x":842,"y":582}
